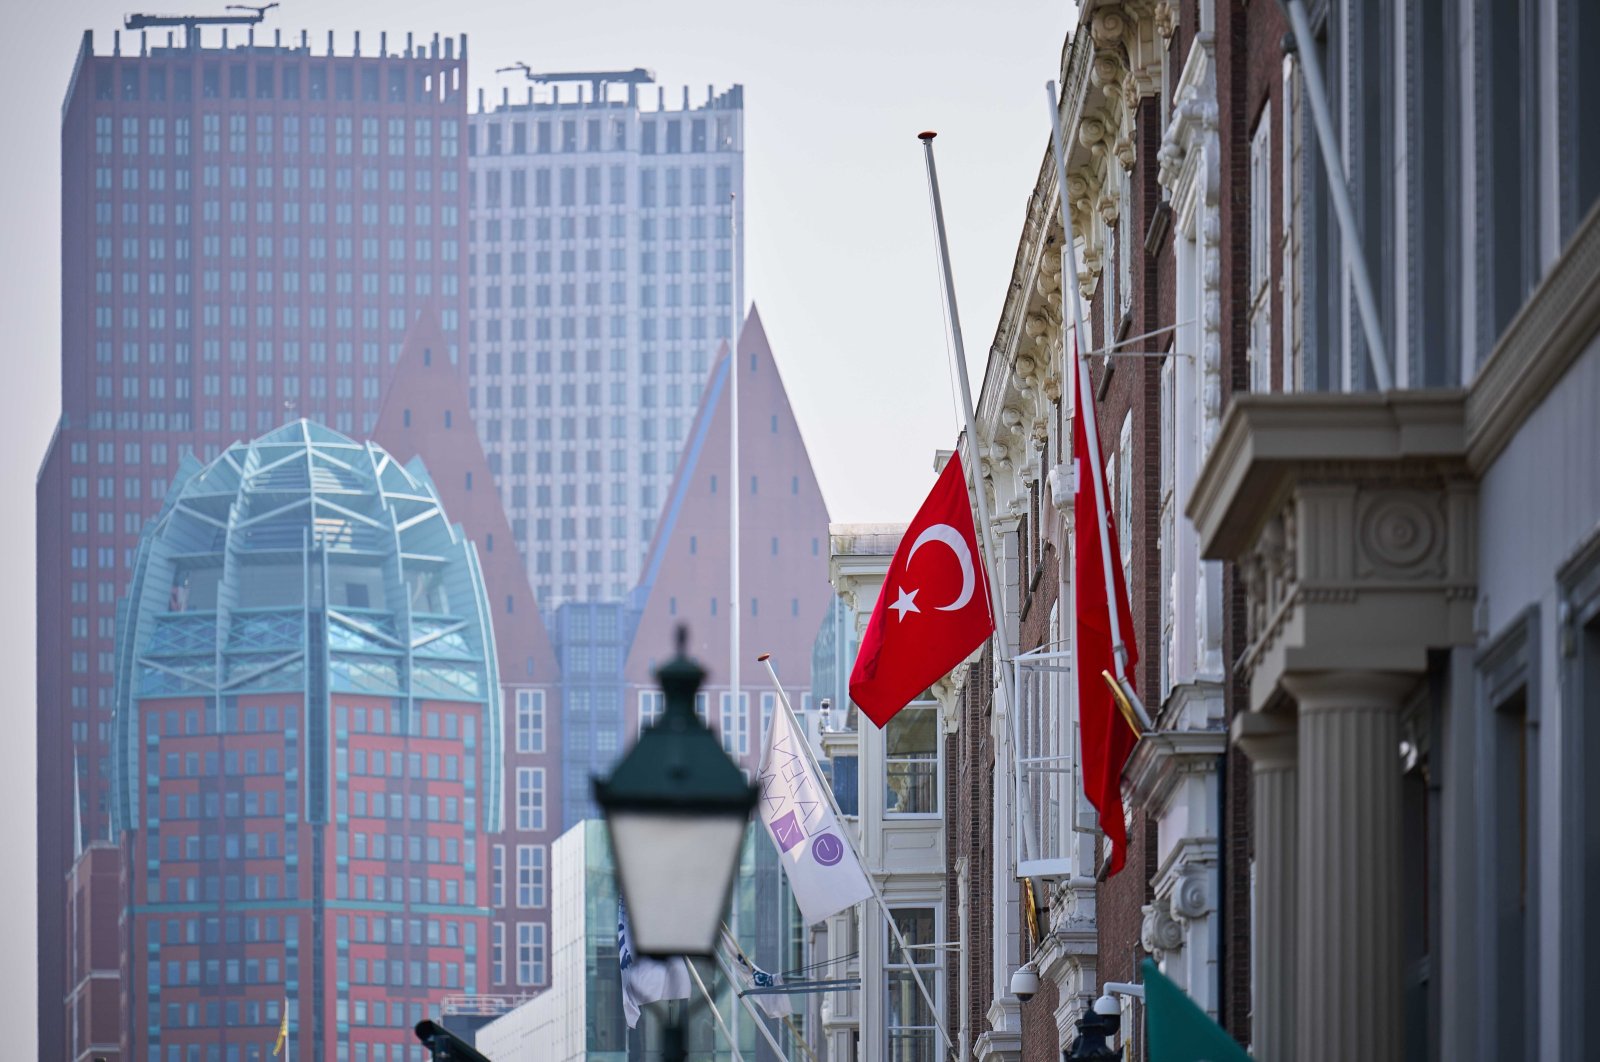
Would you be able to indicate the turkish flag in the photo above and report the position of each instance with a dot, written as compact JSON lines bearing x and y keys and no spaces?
{"x":933,"y":610}
{"x":1108,"y":738}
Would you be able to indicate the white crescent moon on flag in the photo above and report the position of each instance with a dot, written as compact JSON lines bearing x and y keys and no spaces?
{"x":958,"y":545}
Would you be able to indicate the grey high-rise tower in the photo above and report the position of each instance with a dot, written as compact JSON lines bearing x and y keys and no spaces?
{"x":603,"y":279}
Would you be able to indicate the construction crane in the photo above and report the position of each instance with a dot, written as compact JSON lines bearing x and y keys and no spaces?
{"x":189,"y":22}
{"x":637,"y":76}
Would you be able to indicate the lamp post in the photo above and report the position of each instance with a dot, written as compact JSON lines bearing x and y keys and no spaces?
{"x":676,"y":807}
{"x":1091,"y":1046}
{"x":444,"y":1045}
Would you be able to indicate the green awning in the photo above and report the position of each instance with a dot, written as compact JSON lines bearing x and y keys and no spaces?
{"x":1177,"y":1030}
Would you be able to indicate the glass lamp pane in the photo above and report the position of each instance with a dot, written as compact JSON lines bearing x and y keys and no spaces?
{"x":675,"y":872}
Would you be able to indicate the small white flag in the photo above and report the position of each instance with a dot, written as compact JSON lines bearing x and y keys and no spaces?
{"x":646,"y":980}
{"x":773,"y":1004}
{"x":816,"y":855}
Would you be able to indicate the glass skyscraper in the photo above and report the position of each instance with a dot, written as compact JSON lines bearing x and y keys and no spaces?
{"x":602,"y":281}
{"x":308,"y":756}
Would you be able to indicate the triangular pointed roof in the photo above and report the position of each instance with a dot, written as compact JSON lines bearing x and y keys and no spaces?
{"x":426,"y":413}
{"x":783,"y":528}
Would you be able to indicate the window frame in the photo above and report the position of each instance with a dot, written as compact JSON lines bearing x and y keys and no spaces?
{"x":931,"y":971}
{"x":936,"y":761}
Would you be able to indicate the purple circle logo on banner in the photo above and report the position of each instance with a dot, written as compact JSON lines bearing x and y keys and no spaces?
{"x":827,"y":849}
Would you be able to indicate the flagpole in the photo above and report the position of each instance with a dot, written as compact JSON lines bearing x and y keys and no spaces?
{"x":1030,"y":839}
{"x":788,"y":1021}
{"x":750,"y":1008}
{"x":1082,"y":397}
{"x":872,"y":882}
{"x":735,"y":653}
{"x":964,"y":385}
{"x":715,"y":1013}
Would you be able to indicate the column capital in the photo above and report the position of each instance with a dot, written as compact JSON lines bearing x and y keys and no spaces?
{"x":1270,"y":739}
{"x":1352,"y":690}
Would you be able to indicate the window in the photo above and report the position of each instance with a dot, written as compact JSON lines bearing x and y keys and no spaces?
{"x":1167,"y":524}
{"x":1579,"y":580}
{"x":769,"y":704}
{"x":530,"y":875}
{"x":497,"y":953}
{"x":911,"y":761}
{"x":530,"y":720}
{"x":530,"y":953}
{"x":735,"y":725}
{"x":651,"y":704}
{"x":1123,"y":495}
{"x":1509,"y":705}
{"x":1260,"y":353}
{"x":910,"y":1026}
{"x":497,"y":875}
{"x":530,"y":798}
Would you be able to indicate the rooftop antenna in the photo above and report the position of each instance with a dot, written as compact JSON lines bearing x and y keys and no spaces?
{"x":192,"y":22}
{"x":596,"y":78}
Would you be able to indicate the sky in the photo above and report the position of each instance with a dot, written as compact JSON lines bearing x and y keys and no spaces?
{"x":840,"y":251}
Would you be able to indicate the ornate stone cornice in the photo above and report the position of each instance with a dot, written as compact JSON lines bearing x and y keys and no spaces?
{"x":1544,"y":339}
{"x":1162,"y":756}
{"x":1269,"y":439}
{"x":1353,"y":520}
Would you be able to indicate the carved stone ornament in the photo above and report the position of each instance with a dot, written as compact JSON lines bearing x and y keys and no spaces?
{"x":1191,"y":896}
{"x":1399,"y":536}
{"x":1159,"y":932}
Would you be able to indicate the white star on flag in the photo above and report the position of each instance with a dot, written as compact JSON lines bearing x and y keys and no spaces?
{"x":905,"y":603}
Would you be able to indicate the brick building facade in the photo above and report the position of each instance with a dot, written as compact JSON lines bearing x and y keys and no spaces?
{"x":1146,"y":171}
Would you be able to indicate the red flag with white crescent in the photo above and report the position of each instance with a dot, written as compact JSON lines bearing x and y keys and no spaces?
{"x":933,"y":610}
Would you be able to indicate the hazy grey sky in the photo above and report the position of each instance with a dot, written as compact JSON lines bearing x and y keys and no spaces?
{"x":840,"y":253}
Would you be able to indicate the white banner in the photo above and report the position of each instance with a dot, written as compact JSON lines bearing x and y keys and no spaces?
{"x":816,"y":855}
{"x":646,"y":980}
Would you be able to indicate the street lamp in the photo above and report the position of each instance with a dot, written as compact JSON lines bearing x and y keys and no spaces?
{"x":446,"y":1046}
{"x":1091,"y":1046}
{"x":676,"y":807}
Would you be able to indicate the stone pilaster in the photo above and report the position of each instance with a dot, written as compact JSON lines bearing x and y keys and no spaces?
{"x":1272,"y":745}
{"x":1349,"y":944}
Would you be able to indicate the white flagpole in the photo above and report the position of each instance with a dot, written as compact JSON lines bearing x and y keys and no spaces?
{"x":1083,"y":399}
{"x":974,"y":467}
{"x":735,"y":653}
{"x":744,"y":1000}
{"x":877,"y":893}
{"x":715,"y":1013}
{"x":1002,"y":655}
{"x":728,"y":938}
{"x":734,"y":491}
{"x":1355,"y":257}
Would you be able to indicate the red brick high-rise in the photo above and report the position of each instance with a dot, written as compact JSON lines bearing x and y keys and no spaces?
{"x":427,"y":416}
{"x":247,"y":232}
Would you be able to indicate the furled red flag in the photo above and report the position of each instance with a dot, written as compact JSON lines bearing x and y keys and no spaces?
{"x":1108,"y":735}
{"x":933,"y":610}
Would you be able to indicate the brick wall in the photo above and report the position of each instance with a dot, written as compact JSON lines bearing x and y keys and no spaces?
{"x":1249,"y":77}
{"x":1039,"y":1039}
{"x":969,"y":832}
